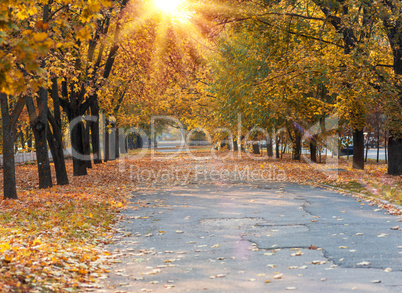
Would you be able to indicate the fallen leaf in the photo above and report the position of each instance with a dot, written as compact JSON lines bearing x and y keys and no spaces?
{"x":364,"y":263}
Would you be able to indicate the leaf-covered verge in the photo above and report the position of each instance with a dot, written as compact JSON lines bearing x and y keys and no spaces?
{"x":53,"y":239}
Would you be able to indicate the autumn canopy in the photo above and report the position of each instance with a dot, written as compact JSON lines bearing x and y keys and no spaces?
{"x":283,"y":67}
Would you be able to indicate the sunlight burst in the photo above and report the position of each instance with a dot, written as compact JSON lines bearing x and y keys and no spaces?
{"x":168,"y":6}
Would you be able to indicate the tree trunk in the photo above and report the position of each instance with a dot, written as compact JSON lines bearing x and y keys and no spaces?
{"x":313,"y":149}
{"x":395,"y":41}
{"x":277,"y":146}
{"x":39,"y":125}
{"x":378,"y":143}
{"x":395,"y":156}
{"x":130,"y":142}
{"x":235,"y":145}
{"x":29,"y":138}
{"x":95,"y":134}
{"x":358,"y":149}
{"x":107,"y":141}
{"x":367,"y":147}
{"x":58,"y":158}
{"x":9,"y":183}
{"x":79,"y":165}
{"x":297,"y":149}
{"x":117,"y":144}
{"x":22,"y":139}
{"x":112,"y":143}
{"x":256,"y":148}
{"x":123,"y":145}
{"x":139,"y":142}
{"x":385,"y":146}
{"x":55,"y":137}
{"x":270,"y":151}
{"x":87,"y":145}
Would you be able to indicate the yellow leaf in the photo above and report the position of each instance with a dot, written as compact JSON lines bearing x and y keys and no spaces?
{"x":8,"y":257}
{"x":4,"y":247}
{"x":37,"y":242}
{"x":40,"y":37}
{"x":83,"y":271}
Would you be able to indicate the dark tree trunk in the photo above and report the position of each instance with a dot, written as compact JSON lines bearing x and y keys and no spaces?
{"x":123,"y":144}
{"x":270,"y":151}
{"x":277,"y":146}
{"x":58,"y":158}
{"x":55,"y":137}
{"x":139,"y":142}
{"x":87,"y":145}
{"x":385,"y":146}
{"x":378,"y":143}
{"x":313,"y":149}
{"x":112,"y":143}
{"x":235,"y":145}
{"x":241,"y":144}
{"x":95,"y":134}
{"x":39,"y":125}
{"x":395,"y":156}
{"x":77,"y":144}
{"x":358,"y":149}
{"x":29,"y":138}
{"x":256,"y":148}
{"x":39,"y":129}
{"x":297,"y":148}
{"x":367,"y":147}
{"x":9,"y":183}
{"x":117,"y":144}
{"x":283,"y":145}
{"x":136,"y":142}
{"x":130,"y":143}
{"x":22,"y":139}
{"x":394,"y":28}
{"x":107,"y":141}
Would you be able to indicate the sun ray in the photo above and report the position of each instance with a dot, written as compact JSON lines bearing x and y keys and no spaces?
{"x":168,"y":6}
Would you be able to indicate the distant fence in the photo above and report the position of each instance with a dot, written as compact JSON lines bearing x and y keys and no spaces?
{"x":31,"y":156}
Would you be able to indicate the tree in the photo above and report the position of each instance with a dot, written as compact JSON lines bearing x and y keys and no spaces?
{"x":9,"y":130}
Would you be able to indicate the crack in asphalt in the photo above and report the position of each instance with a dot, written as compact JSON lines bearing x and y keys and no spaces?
{"x":216,"y":242}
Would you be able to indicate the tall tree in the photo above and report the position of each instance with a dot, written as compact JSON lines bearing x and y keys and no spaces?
{"x":9,"y":120}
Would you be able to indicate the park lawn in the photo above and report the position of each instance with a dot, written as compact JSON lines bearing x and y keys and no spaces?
{"x":52,"y":240}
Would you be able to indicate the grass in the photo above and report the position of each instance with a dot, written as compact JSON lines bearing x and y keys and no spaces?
{"x":353,"y":186}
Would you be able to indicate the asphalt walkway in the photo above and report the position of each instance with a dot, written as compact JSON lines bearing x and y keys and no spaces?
{"x":255,"y":238}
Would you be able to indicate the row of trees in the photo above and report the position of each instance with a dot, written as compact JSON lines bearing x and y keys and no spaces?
{"x":62,"y":61}
{"x":279,"y":64}
{"x":55,"y":56}
{"x":291,"y":65}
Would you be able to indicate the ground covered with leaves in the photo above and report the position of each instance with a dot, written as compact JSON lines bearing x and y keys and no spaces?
{"x":52,"y":240}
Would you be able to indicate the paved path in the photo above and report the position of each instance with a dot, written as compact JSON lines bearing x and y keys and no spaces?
{"x":244,"y":238}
